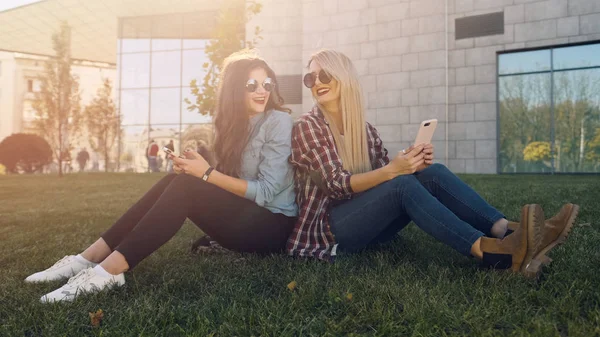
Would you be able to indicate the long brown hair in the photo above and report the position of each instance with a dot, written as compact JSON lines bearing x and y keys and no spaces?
{"x":231,"y":113}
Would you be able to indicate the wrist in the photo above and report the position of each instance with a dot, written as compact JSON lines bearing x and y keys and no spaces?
{"x":388,"y":172}
{"x":207,"y":173}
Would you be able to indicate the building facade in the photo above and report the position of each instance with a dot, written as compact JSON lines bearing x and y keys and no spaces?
{"x":512,"y":91}
{"x":514,"y":84}
{"x":19,"y":81}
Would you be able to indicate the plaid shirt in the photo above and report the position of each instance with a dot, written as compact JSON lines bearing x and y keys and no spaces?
{"x":319,"y":178}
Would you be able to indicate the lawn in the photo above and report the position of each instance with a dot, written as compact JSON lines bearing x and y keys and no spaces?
{"x":412,"y":286}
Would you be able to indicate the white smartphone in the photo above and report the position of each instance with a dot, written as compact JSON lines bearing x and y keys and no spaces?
{"x":426,"y":131}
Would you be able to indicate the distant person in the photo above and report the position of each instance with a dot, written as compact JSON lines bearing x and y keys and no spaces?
{"x":171,"y":147}
{"x":82,"y":158}
{"x":152,"y":156}
{"x":247,"y":203}
{"x":66,"y":159}
{"x":159,"y":162}
{"x":95,"y":162}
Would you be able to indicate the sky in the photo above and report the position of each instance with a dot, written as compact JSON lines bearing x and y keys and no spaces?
{"x":8,"y":4}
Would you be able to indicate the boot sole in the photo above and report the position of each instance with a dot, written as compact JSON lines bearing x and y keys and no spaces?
{"x":533,"y":213}
{"x":519,"y":257}
{"x":534,"y":268}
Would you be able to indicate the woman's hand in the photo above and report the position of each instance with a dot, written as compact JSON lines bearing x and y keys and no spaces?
{"x":428,"y":151}
{"x":194,"y":164}
{"x":407,"y":161}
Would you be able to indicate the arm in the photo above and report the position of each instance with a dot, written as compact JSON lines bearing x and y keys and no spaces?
{"x":312,"y":151}
{"x":196,"y":165}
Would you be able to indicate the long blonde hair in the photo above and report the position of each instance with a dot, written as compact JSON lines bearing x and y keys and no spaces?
{"x":352,"y":148}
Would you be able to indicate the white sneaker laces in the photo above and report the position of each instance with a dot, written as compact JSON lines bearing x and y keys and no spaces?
{"x":81,"y":277}
{"x":65,"y":260}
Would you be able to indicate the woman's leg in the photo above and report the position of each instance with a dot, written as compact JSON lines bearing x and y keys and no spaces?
{"x":100,"y":249}
{"x":233,"y":221}
{"x":462,"y":200}
{"x":359,"y":221}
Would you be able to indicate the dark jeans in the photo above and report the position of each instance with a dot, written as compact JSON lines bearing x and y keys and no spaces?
{"x":234,"y":222}
{"x":435,"y":199}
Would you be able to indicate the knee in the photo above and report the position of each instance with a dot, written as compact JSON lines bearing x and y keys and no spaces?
{"x":436,"y":169}
{"x":405,"y":180}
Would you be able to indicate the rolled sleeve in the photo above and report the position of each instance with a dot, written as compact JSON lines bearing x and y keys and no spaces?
{"x":312,"y":152}
{"x":274,"y":170}
{"x":251,"y":190}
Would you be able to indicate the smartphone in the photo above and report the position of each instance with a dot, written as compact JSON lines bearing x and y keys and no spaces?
{"x":426,"y":131}
{"x":169,"y":152}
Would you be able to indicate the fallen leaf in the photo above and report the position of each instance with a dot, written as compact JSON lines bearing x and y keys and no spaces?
{"x":96,"y":317}
{"x":292,"y":285}
{"x":349,"y":296}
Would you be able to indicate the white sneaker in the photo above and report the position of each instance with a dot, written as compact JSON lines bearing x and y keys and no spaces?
{"x":68,"y":266}
{"x":86,"y":281}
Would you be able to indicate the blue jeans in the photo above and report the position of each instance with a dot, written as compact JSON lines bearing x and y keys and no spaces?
{"x":435,"y":199}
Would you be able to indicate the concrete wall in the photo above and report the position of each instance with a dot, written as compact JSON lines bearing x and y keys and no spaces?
{"x":400,"y":50}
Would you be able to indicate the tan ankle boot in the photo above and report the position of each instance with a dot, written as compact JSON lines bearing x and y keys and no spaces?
{"x":517,"y":244}
{"x":554,"y":231}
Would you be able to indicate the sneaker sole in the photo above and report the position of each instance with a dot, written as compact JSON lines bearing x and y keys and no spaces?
{"x":534,"y":268}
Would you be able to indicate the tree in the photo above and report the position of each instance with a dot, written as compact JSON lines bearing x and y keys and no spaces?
{"x":57,"y":105}
{"x":102,"y":122}
{"x":22,"y":152}
{"x":229,"y":37}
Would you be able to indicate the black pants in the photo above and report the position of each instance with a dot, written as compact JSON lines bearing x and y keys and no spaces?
{"x":234,"y":222}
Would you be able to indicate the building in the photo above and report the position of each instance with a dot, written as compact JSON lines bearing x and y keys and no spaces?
{"x":514,"y":84}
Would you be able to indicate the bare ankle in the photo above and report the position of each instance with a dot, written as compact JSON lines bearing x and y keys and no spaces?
{"x":97,"y":252}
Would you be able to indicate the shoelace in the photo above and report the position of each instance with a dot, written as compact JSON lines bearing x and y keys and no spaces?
{"x":65,"y":260}
{"x":81,"y":277}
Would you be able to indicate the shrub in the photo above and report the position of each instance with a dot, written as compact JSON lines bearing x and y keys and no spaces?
{"x":22,"y":152}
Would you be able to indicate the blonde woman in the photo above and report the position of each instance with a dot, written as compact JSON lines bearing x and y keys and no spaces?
{"x":351,"y":195}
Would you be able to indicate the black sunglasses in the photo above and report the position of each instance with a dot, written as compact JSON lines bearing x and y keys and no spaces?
{"x":252,"y":85}
{"x":310,"y":79}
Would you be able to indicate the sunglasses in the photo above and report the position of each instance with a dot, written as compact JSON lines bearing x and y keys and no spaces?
{"x":310,"y":79}
{"x":252,"y":85}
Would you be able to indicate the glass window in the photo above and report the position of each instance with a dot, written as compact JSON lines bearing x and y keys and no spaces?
{"x":165,"y":106}
{"x":576,"y":57}
{"x":166,"y":44}
{"x":195,"y":43}
{"x":577,"y":120}
{"x":166,"y":69}
{"x":135,"y":70}
{"x":134,"y":143}
{"x":134,"y":106}
{"x":514,"y":63}
{"x":135,"y":45}
{"x":187,"y":116}
{"x":192,"y":66}
{"x":525,"y":123}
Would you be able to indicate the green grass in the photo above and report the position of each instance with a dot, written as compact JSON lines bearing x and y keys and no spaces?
{"x":412,"y":286}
